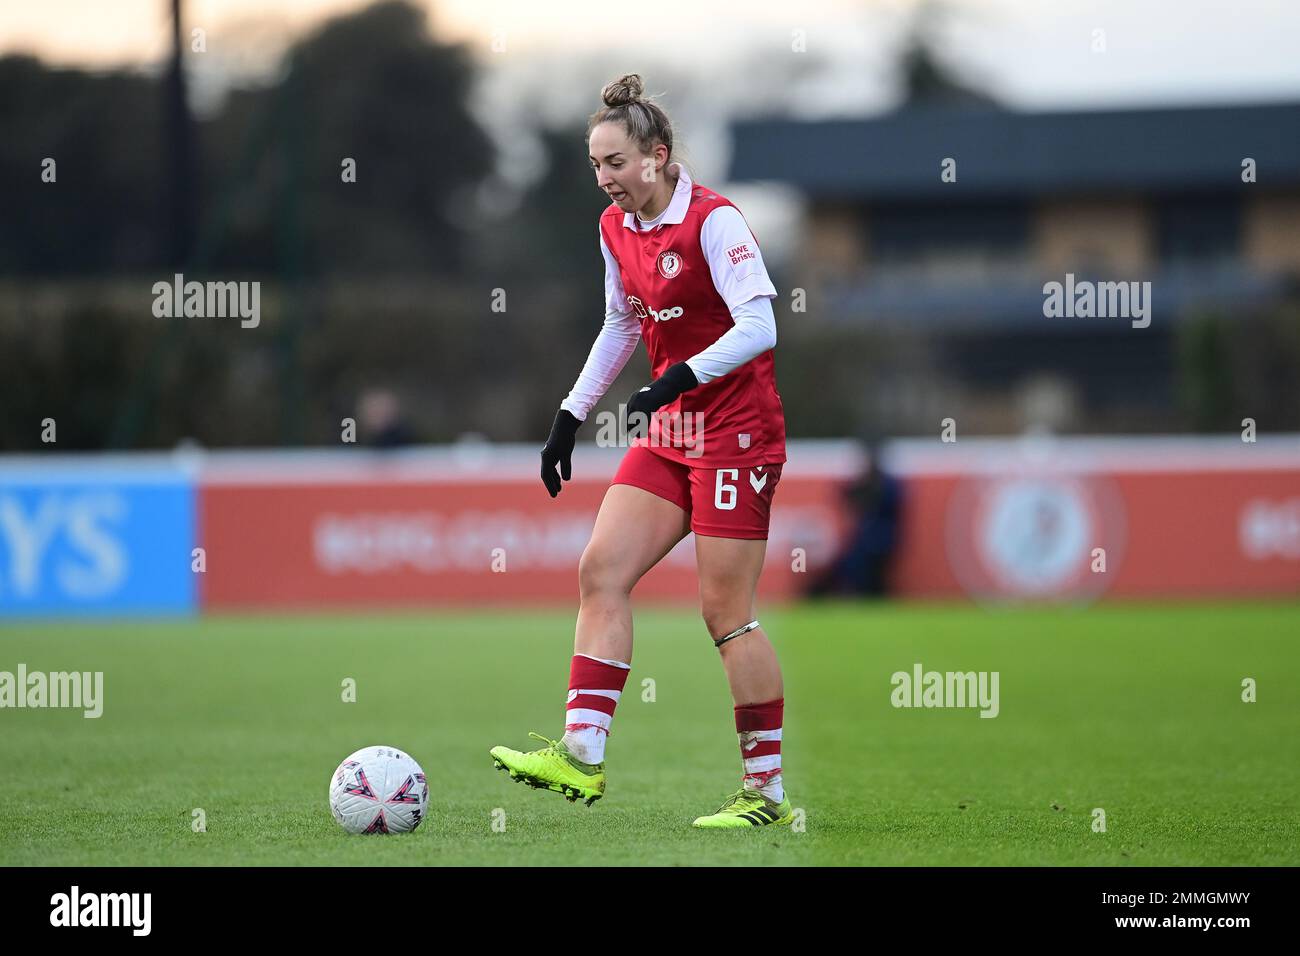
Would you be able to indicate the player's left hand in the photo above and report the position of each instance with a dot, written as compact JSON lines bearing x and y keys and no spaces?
{"x":679,"y":378}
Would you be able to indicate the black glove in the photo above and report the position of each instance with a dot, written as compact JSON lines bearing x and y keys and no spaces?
{"x":559,"y":450}
{"x":679,"y":378}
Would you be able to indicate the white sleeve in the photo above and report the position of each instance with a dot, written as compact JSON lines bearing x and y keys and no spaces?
{"x":752,"y":335}
{"x":613,"y":347}
{"x":734,"y":257}
{"x":741,"y":279}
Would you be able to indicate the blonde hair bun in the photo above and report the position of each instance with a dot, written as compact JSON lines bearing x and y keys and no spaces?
{"x":623,"y":91}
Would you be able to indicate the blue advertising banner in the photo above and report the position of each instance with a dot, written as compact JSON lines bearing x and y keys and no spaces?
{"x":96,"y":540}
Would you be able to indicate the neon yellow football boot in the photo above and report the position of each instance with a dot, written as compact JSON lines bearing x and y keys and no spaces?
{"x":748,"y":808}
{"x":553,"y":768}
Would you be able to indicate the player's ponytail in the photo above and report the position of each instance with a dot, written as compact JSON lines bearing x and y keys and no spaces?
{"x":644,"y":120}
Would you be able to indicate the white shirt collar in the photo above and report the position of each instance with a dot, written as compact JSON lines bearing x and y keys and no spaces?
{"x":676,"y":211}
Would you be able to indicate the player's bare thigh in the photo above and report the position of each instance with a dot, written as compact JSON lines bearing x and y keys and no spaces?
{"x":634,"y":530}
{"x":729,"y":570}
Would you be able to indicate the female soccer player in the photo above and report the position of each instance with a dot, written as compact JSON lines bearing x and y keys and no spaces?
{"x":682,"y":271}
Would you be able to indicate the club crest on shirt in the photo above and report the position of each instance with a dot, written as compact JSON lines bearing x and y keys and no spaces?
{"x":670,"y":263}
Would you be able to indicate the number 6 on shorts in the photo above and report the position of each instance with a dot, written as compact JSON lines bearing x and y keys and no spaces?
{"x":723,"y":488}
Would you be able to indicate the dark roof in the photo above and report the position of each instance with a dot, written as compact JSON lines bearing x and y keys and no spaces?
{"x":1002,"y":153}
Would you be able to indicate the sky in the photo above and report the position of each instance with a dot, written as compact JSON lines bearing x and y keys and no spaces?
{"x":1032,"y":52}
{"x":714,"y":61}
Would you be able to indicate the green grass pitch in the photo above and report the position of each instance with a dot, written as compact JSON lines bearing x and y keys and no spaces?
{"x":1134,"y":709}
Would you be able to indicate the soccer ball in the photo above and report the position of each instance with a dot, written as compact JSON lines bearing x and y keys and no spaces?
{"x":379,"y":790}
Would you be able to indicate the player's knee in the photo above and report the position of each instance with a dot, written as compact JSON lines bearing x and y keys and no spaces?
{"x":722,"y":616}
{"x":599,"y":575}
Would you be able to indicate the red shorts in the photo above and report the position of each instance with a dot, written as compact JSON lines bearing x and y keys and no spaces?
{"x":722,"y":502}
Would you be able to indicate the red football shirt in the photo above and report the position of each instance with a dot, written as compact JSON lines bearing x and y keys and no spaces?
{"x":735,"y":420}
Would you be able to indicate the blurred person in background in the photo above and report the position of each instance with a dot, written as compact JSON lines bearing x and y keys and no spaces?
{"x":861,"y":567}
{"x":684,"y":272}
{"x":383,"y":424}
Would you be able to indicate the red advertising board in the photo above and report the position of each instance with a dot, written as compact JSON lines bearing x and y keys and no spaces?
{"x":434,"y":529}
{"x":1133,"y":518}
{"x":999,"y":520}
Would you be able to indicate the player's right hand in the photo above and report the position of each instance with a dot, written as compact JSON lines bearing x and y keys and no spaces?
{"x":558,"y":450}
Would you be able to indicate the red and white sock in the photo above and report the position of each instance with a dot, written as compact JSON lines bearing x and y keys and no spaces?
{"x":595,"y":685}
{"x":759,"y":728}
